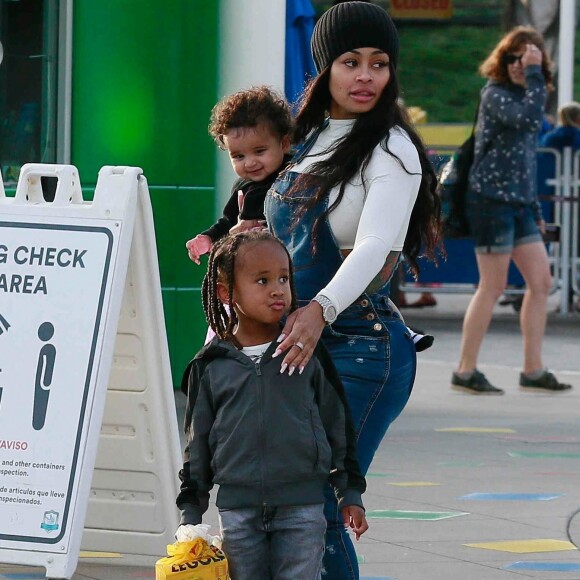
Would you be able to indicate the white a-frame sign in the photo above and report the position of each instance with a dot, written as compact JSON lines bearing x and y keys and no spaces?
{"x":89,"y":446}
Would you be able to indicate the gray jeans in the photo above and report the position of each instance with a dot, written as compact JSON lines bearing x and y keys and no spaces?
{"x":283,"y":543}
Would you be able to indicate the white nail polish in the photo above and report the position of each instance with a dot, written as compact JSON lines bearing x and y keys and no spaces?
{"x":281,"y":338}
{"x":283,"y":368}
{"x":291,"y":371}
{"x":276,"y":353}
{"x":300,"y":370}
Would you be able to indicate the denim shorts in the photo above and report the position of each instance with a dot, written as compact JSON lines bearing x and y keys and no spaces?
{"x":498,"y":227}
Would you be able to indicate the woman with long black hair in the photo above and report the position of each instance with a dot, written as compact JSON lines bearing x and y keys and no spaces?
{"x":359,"y":192}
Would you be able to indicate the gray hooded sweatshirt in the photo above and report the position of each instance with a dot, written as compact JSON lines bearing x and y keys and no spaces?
{"x":265,"y":438}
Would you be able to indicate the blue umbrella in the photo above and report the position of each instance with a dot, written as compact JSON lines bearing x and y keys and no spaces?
{"x":300,"y":19}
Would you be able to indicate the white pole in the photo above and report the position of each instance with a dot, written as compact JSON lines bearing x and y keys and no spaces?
{"x":566,"y":51}
{"x":252,"y":39}
{"x":64,"y":99}
{"x":566,"y":94}
{"x":565,"y":242}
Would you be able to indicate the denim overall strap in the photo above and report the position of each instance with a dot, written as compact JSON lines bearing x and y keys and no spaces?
{"x":313,"y":267}
{"x":303,"y":148}
{"x":314,"y":263}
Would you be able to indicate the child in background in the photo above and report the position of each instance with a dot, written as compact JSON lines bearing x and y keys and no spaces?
{"x":567,"y":132}
{"x":253,"y":126}
{"x":270,"y":440}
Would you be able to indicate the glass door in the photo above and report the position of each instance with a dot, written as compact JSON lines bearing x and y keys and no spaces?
{"x":28,"y":84}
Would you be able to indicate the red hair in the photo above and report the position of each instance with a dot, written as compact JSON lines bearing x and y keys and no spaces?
{"x":494,"y":67}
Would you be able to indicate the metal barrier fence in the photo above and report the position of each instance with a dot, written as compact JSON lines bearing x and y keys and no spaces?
{"x":574,"y":208}
{"x":559,"y":192}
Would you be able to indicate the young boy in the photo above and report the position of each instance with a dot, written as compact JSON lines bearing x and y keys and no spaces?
{"x":269,"y":440}
{"x":253,"y":126}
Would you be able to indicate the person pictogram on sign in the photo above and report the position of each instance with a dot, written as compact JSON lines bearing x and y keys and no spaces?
{"x":44,"y":370}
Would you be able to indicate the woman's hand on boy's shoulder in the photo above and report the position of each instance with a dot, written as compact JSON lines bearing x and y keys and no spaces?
{"x":354,"y":517}
{"x":300,"y":336}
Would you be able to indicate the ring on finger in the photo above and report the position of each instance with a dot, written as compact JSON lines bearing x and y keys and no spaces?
{"x":299,"y":345}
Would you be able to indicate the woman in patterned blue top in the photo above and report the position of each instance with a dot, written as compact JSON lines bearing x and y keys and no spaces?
{"x":504,"y":213}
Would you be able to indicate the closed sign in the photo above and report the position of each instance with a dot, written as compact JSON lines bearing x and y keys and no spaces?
{"x":418,"y":9}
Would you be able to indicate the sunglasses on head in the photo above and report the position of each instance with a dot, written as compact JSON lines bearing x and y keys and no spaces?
{"x":511,"y":58}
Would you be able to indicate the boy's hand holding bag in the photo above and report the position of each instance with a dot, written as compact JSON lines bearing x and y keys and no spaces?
{"x":193,"y":558}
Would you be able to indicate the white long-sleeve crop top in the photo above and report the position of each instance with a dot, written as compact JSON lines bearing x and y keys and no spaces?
{"x":374,"y":224}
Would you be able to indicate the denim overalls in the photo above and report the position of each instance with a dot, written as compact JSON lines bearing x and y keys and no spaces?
{"x":369,"y":343}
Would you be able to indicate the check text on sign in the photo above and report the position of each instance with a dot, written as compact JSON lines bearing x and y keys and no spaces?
{"x":36,"y":256}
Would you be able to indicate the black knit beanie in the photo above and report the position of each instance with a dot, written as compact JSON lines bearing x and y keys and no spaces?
{"x":351,"y":25}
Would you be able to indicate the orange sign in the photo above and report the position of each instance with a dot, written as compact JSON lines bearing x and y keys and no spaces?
{"x":421,"y":9}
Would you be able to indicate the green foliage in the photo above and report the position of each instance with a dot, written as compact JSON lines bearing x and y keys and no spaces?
{"x":438,"y":68}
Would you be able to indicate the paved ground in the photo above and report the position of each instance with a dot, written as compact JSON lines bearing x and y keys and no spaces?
{"x":448,"y":445}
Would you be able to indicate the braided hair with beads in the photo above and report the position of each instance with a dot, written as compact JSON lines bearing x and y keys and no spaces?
{"x":221,"y":268}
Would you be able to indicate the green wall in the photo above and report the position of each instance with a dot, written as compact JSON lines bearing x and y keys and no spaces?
{"x":144,"y":82}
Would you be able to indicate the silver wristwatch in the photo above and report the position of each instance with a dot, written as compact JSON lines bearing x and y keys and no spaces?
{"x":329,"y":313}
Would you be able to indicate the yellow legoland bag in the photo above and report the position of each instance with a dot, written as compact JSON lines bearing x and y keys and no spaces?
{"x":194,"y":560}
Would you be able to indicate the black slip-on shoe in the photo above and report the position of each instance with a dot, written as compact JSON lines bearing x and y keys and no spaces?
{"x":546,"y":382}
{"x":476,"y":384}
